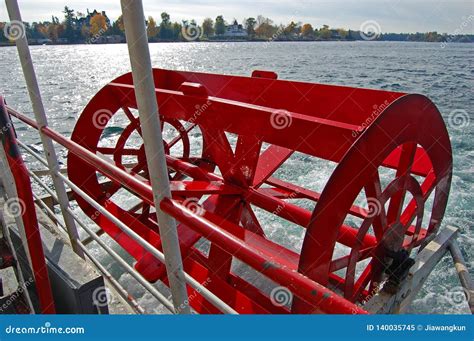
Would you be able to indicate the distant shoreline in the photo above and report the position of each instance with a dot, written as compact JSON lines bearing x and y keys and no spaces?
{"x":245,"y":41}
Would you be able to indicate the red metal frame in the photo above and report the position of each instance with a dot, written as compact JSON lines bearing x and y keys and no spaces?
{"x":361,"y":130}
{"x":28,"y":215}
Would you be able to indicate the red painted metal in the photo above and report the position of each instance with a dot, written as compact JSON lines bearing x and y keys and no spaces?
{"x":26,"y":208}
{"x":243,"y":131}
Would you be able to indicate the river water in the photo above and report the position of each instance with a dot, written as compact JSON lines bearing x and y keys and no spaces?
{"x":70,"y":75}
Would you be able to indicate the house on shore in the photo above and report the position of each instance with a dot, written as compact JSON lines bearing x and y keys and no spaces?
{"x":235,"y":30}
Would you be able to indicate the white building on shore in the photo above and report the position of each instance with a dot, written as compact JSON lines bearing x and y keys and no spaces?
{"x":235,"y":30}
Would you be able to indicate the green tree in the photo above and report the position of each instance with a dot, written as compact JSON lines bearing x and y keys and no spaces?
{"x":208,"y":27}
{"x":220,"y":26}
{"x":3,"y":37}
{"x":343,"y":33}
{"x":69,"y":24}
{"x":117,"y":27}
{"x":291,"y":30}
{"x":85,"y":32}
{"x":325,"y":32}
{"x":250,"y":25}
{"x":166,"y":29}
{"x":176,"y":32}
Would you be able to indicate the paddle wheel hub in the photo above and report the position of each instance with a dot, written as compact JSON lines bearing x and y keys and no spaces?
{"x":226,"y":140}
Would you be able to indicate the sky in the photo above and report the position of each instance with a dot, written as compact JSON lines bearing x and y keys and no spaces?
{"x":447,"y":16}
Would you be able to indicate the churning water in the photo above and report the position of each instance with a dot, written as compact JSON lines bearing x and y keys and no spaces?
{"x":70,"y":75}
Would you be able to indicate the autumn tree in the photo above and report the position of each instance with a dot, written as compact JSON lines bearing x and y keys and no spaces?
{"x":98,"y":24}
{"x":151,"y":27}
{"x":208,"y":27}
{"x":265,"y":28}
{"x":291,"y":30}
{"x":52,"y":32}
{"x":220,"y":26}
{"x":307,"y":31}
{"x":85,"y":32}
{"x":120,"y":24}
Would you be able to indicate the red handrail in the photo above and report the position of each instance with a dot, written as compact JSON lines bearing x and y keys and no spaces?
{"x":28,"y":212}
{"x":312,"y":291}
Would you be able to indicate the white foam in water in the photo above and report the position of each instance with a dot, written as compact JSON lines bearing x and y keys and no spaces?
{"x":70,"y":75}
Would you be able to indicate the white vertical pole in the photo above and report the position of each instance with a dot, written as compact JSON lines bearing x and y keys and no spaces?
{"x":40,"y":116}
{"x":137,"y":41}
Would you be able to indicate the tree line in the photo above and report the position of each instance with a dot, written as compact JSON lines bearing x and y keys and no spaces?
{"x":96,"y":27}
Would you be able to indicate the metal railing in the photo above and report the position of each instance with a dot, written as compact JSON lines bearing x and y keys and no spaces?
{"x":40,"y":116}
{"x":142,"y":189}
{"x":217,"y":302}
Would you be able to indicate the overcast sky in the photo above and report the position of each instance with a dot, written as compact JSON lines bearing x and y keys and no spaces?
{"x":392,"y":15}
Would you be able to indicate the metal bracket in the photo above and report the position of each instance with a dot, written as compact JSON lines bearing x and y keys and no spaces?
{"x":385,"y":302}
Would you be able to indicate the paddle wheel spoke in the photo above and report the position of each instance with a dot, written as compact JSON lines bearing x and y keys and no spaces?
{"x":373,"y":192}
{"x":354,"y":258}
{"x":405,"y":165}
{"x":135,"y":121}
{"x":250,"y":221}
{"x":141,"y":165}
{"x":361,"y":283}
{"x":181,"y":136}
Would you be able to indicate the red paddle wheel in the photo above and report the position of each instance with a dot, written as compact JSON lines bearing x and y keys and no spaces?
{"x":226,"y":139}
